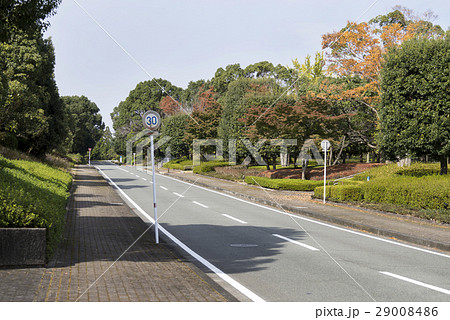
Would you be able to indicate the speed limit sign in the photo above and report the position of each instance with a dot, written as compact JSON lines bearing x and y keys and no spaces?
{"x":152,"y":120}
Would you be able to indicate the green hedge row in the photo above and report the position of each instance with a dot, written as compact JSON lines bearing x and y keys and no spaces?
{"x":33,"y":195}
{"x":284,"y":184}
{"x":209,"y":166}
{"x":427,"y":192}
{"x":179,"y":164}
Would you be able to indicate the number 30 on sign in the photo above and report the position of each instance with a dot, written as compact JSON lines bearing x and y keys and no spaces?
{"x":152,"y":120}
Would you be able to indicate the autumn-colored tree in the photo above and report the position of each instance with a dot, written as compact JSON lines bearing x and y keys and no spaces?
{"x":205,"y":117}
{"x":357,"y":50}
{"x":169,"y":106}
{"x":272,"y":116}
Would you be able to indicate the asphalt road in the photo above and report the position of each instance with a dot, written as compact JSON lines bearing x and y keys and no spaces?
{"x":270,"y":255}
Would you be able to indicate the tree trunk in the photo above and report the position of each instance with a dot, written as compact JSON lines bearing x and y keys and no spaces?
{"x":331,"y":157}
{"x":444,"y":167}
{"x":304,"y":166}
{"x":340,"y":151}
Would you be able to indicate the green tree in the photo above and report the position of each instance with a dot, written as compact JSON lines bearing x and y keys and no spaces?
{"x":32,"y":109}
{"x":86,"y":123}
{"x":205,"y":117}
{"x":175,"y":128}
{"x":356,"y":52}
{"x":127,"y":116}
{"x":415,"y":114}
{"x":104,"y":148}
{"x":25,"y":16}
{"x":223,"y":77}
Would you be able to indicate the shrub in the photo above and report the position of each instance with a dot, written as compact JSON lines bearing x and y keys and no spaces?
{"x":428,"y":192}
{"x":33,"y":195}
{"x":346,"y":192}
{"x":318,"y":192}
{"x":419,"y":170}
{"x":431,"y":192}
{"x":284,"y":184}
{"x":8,"y":140}
{"x":209,"y":166}
{"x":179,"y":164}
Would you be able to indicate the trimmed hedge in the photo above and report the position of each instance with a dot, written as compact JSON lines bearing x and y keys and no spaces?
{"x":179,"y":164}
{"x":284,"y":184}
{"x":428,"y":192}
{"x":209,"y":166}
{"x":341,"y":192}
{"x":33,"y":195}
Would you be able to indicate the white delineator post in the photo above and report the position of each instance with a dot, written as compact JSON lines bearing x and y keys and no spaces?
{"x":155,"y":210}
{"x":89,"y":155}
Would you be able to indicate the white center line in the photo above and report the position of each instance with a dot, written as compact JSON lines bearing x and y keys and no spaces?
{"x":233,"y":218}
{"x":296,"y":242}
{"x":200,"y":204}
{"x":163,"y":188}
{"x":177,"y":194}
{"x":429,"y":286}
{"x":144,"y":179}
{"x":137,"y":175}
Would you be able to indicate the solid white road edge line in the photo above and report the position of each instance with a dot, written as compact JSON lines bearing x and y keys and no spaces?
{"x":429,"y":286}
{"x":200,"y":204}
{"x":296,"y":242}
{"x":251,"y":295}
{"x":233,"y":218}
{"x":315,"y":221}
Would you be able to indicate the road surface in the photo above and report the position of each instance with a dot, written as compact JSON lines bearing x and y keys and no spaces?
{"x":270,"y":255}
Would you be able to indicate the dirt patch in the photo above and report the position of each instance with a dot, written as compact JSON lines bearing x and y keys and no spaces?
{"x":333,"y":172}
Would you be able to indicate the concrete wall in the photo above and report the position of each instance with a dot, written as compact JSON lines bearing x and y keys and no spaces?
{"x":22,"y":246}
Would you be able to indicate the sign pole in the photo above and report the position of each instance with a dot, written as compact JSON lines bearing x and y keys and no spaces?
{"x":152,"y":150}
{"x":152,"y":122}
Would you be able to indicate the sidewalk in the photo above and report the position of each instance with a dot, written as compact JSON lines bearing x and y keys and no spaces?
{"x":404,"y":228}
{"x":99,"y":230}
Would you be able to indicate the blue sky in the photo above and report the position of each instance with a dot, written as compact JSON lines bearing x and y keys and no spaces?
{"x":184,"y":41}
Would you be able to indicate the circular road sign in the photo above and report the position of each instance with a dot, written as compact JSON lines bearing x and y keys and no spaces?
{"x":325,"y":144}
{"x":152,"y":120}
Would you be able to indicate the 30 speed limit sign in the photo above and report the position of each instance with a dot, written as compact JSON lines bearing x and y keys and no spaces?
{"x":152,"y":120}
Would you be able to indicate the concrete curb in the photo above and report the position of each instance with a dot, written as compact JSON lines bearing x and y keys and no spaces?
{"x":338,"y":221}
{"x":22,"y":246}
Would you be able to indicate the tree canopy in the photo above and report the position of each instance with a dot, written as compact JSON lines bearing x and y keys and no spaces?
{"x":415,"y":113}
{"x":84,"y":123}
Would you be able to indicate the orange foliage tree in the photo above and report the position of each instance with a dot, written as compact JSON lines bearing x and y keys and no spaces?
{"x":357,"y":50}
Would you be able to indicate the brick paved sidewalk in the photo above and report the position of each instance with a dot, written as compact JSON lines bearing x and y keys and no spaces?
{"x":99,"y":229}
